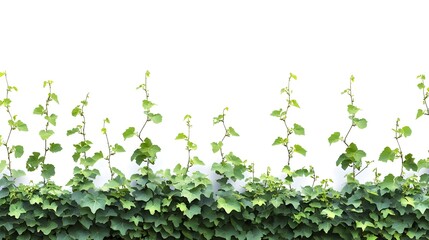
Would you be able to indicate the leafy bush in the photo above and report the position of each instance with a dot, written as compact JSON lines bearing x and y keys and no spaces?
{"x":183,"y":204}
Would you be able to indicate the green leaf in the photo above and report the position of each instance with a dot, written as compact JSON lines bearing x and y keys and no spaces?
{"x":52,"y":119}
{"x":48,"y":171}
{"x":421,"y":85}
{"x":352,"y":109}
{"x":77,"y":110}
{"x":153,"y":206}
{"x":155,"y":117}
{"x":39,"y":110}
{"x":17,"y":173}
{"x":192,"y":211}
{"x":409,"y":163}
{"x":19,"y":151}
{"x":216,"y":146}
{"x":147,"y":105}
{"x":294,"y":103}
{"x":191,"y":146}
{"x":3,"y":165}
{"x":364,"y":225}
{"x":297,"y":148}
{"x":94,"y":201}
{"x":360,"y":122}
{"x":420,"y":113}
{"x":277,"y":113}
{"x":196,"y":161}
{"x":181,"y":136}
{"x":332,"y":213}
{"x":121,"y":225}
{"x":21,"y":126}
{"x":54,"y":97}
{"x":47,"y":227}
{"x":232,"y":132}
{"x":16,"y":209}
{"x":33,"y":161}
{"x":118,"y":148}
{"x":72,"y":131}
{"x":298,"y":129}
{"x":45,"y":134}
{"x":335,"y":137}
{"x":387,"y":154}
{"x":130,"y":132}
{"x":293,"y":76}
{"x":279,"y":141}
{"x":406,"y":131}
{"x":55,"y":147}
{"x":229,"y":204}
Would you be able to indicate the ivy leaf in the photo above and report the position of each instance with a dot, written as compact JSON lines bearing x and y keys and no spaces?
{"x":232,"y":132}
{"x":16,"y":209}
{"x":352,"y":109}
{"x":279,"y":140}
{"x":360,"y":122}
{"x":216,"y":146}
{"x":297,"y":148}
{"x":364,"y":225}
{"x":52,"y":119}
{"x":409,"y":163}
{"x":48,"y":171}
{"x":94,"y":201}
{"x":119,"y":224}
{"x":19,"y":151}
{"x":293,"y":76}
{"x":17,"y":173}
{"x":72,"y":131}
{"x":277,"y":113}
{"x":181,"y":136}
{"x":335,"y":137}
{"x":130,"y":132}
{"x":39,"y":110}
{"x":21,"y":126}
{"x":55,"y":147}
{"x":153,"y":206}
{"x":191,"y":195}
{"x":191,"y":146}
{"x":406,"y":131}
{"x":332,"y":213}
{"x":192,"y":211}
{"x":77,"y":110}
{"x":155,"y":117}
{"x":118,"y":148}
{"x":229,"y":204}
{"x":387,"y":154}
{"x":294,"y":103}
{"x":298,"y":129}
{"x":147,"y":105}
{"x":54,"y":97}
{"x":196,"y":161}
{"x":33,"y":161}
{"x":45,"y":134}
{"x":420,"y":113}
{"x":47,"y":227}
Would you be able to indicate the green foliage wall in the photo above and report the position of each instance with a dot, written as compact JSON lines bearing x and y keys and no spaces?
{"x":183,"y":204}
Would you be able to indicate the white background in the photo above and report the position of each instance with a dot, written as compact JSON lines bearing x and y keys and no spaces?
{"x":204,"y":56}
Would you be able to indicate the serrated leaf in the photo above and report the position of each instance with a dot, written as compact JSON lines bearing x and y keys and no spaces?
{"x":55,"y":147}
{"x":45,"y":134}
{"x":129,"y":133}
{"x":409,"y":162}
{"x":298,"y":129}
{"x":297,"y":148}
{"x":121,"y":225}
{"x":118,"y":148}
{"x":39,"y":110}
{"x":72,"y":131}
{"x":387,"y":154}
{"x":364,"y":225}
{"x":335,"y":137}
{"x":153,"y":206}
{"x":181,"y":136}
{"x":232,"y":132}
{"x":21,"y":126}
{"x":48,"y":171}
{"x":332,"y":213}
{"x":229,"y":204}
{"x":33,"y":161}
{"x":19,"y":151}
{"x":192,"y":211}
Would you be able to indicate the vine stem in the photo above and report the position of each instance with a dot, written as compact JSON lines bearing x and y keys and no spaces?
{"x":109,"y":151}
{"x":401,"y":155}
{"x":46,"y":113}
{"x":188,"y":148}
{"x":6,"y":144}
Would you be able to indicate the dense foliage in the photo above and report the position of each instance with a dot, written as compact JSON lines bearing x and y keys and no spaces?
{"x":185,"y":204}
